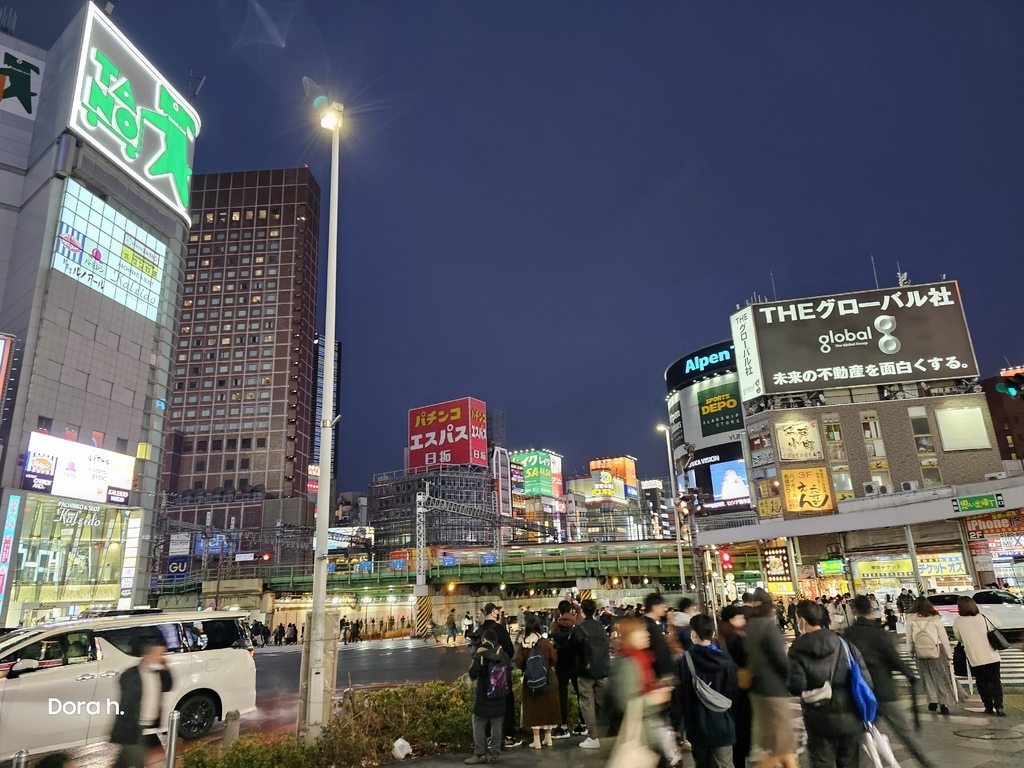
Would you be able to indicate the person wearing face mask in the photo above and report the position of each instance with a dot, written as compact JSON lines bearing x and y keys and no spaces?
{"x":142,"y":689}
{"x":712,"y":733}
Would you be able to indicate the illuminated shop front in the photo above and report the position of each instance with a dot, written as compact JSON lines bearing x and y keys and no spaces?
{"x":72,"y":556}
{"x":941,"y":571}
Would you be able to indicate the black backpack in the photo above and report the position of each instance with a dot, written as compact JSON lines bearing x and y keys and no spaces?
{"x":596,"y":661}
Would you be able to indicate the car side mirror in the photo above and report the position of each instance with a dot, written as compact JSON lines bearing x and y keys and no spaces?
{"x":25,"y":665}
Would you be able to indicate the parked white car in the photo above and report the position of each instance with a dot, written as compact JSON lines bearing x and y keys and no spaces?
{"x":1005,"y":607}
{"x":59,"y":682}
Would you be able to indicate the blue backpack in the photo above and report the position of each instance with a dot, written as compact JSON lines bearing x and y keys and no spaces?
{"x":537,"y":673}
{"x":863,"y":697}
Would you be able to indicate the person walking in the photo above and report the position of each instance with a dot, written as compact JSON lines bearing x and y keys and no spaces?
{"x":467,"y":626}
{"x":492,"y":622}
{"x":971,"y":628}
{"x":537,"y":658}
{"x":142,"y":687}
{"x":593,"y":653}
{"x":834,"y":727}
{"x":451,"y":628}
{"x":654,"y":611}
{"x":488,"y":709}
{"x":562,"y":633}
{"x":904,"y":603}
{"x":929,"y":647}
{"x":732,"y":634}
{"x":882,"y":659}
{"x":712,"y":733}
{"x":772,"y":731}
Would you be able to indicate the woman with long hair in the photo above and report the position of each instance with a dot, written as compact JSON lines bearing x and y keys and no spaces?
{"x":971,"y":628}
{"x":732,"y":633}
{"x":772,"y":731}
{"x":929,"y":647}
{"x":541,"y":709}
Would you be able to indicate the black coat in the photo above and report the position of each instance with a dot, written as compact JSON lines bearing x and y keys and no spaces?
{"x":706,"y":729}
{"x":812,"y":658}
{"x":503,"y":637}
{"x":880,"y":655}
{"x":663,"y":666}
{"x":484,"y":657}
{"x":127,"y":728}
{"x":766,"y":653}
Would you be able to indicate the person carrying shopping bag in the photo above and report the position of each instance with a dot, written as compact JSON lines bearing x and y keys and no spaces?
{"x":929,"y":647}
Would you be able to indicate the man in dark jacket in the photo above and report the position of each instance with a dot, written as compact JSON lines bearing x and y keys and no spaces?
{"x":875,"y":644}
{"x":712,"y":734}
{"x":492,"y":621}
{"x":654,"y":611}
{"x":561,"y":633}
{"x":487,"y":712}
{"x":593,"y":652}
{"x":834,"y":728}
{"x":142,"y":689}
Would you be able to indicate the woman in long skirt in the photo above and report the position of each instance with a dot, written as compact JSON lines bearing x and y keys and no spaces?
{"x":929,"y":647}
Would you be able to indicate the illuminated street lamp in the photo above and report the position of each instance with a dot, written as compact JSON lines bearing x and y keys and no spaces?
{"x":316,"y":695}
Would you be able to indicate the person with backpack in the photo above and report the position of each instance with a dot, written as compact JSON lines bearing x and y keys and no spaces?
{"x":929,"y":647}
{"x":561,"y":633}
{"x":492,"y":671}
{"x":593,"y":653}
{"x":882,"y":659}
{"x":537,"y":658}
{"x":820,"y":674}
{"x":708,"y":718}
{"x":492,"y":621}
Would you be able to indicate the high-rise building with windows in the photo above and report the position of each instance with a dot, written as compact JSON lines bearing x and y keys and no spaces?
{"x":243,"y":391}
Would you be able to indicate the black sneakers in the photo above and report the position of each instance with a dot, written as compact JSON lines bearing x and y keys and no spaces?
{"x":511,"y":742}
{"x":560,"y":733}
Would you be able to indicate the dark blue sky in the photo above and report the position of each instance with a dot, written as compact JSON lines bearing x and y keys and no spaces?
{"x":544,"y":204}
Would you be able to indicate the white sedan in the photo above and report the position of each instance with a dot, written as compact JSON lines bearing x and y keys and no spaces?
{"x":1006,"y":608}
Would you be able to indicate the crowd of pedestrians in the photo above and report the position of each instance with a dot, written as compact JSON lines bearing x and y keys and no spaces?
{"x":725,"y":688}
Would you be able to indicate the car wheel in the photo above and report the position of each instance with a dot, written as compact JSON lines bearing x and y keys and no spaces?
{"x":198,"y":714}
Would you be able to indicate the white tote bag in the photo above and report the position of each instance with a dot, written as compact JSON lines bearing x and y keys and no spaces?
{"x":875,"y":750}
{"x":631,"y":750}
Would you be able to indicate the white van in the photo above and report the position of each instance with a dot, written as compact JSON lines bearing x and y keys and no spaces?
{"x":59,"y":683}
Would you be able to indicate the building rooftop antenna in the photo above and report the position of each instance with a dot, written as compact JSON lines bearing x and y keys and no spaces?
{"x":8,"y":19}
{"x":193,"y":93}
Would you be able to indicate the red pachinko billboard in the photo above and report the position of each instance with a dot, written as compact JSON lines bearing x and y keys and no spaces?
{"x":454,"y":432}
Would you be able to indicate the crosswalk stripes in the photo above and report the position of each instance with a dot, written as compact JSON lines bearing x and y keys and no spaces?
{"x":1011,"y":669}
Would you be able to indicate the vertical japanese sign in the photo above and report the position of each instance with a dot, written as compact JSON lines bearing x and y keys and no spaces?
{"x":542,"y":472}
{"x":557,"y":486}
{"x":128,"y":111}
{"x":807,"y":490}
{"x":20,"y":78}
{"x":7,"y":546}
{"x":798,"y":441}
{"x":776,"y":565}
{"x":453,"y":432}
{"x":748,"y":356}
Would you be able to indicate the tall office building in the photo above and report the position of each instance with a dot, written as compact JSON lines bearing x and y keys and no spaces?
{"x":321,"y":343}
{"x":243,"y":389}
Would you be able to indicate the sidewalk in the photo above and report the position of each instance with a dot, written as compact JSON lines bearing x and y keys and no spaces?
{"x":963,"y":740}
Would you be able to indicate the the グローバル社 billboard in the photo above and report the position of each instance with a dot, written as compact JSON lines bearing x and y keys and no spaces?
{"x":453,"y":432}
{"x":76,"y":471}
{"x":883,"y":336}
{"x":108,"y":252}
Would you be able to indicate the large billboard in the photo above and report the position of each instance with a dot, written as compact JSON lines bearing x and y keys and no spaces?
{"x":884,"y":336}
{"x":453,"y":432}
{"x":77,"y":471}
{"x":130,"y":112}
{"x":807,"y":490}
{"x":542,"y":472}
{"x":106,"y":251}
{"x":601,"y":487}
{"x":720,"y":475}
{"x":20,"y":78}
{"x":711,"y":411}
{"x":623,"y":468}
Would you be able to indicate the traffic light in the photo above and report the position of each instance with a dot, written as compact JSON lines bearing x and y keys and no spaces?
{"x":266,"y":556}
{"x":725,"y":560}
{"x":1013,"y":382}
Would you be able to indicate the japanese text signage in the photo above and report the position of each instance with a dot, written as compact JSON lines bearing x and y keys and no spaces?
{"x":978,"y":503}
{"x":104,"y":250}
{"x":776,"y":565}
{"x":129,"y":112}
{"x":542,"y":472}
{"x":77,"y":471}
{"x":20,"y":78}
{"x":453,"y":432}
{"x":623,"y":468}
{"x":981,"y":527}
{"x":883,"y":336}
{"x":7,"y":544}
{"x":748,"y":355}
{"x":798,"y":441}
{"x":807,"y":490}
{"x":831,"y":568}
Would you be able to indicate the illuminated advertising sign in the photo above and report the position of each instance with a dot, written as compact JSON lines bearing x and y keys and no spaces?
{"x":348,"y":537}
{"x":748,"y":355}
{"x":994,"y":524}
{"x":720,"y":474}
{"x":622,"y":467}
{"x":128,"y":111}
{"x":807,"y":490}
{"x":20,"y":79}
{"x":313,"y":478}
{"x":798,"y":441}
{"x":106,"y":251}
{"x":710,"y":412}
{"x":76,"y":471}
{"x":718,"y":358}
{"x":557,"y":486}
{"x":542,"y":472}
{"x":884,"y":336}
{"x":601,"y":487}
{"x":776,"y":565}
{"x":7,"y":545}
{"x":453,"y":432}
{"x":518,"y":477}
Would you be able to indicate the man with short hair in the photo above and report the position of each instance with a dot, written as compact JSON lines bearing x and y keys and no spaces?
{"x":492,"y":621}
{"x":594,"y":654}
{"x":561,"y":634}
{"x":748,"y":603}
{"x":881,"y":658}
{"x":903,"y":603}
{"x":142,"y":689}
{"x":654,"y":610}
{"x":712,"y":733}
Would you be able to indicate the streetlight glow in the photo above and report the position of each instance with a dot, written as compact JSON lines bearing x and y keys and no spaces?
{"x":330,"y":118}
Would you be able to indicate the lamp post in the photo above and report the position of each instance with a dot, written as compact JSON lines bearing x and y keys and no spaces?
{"x":679,"y":519}
{"x":330,"y":119}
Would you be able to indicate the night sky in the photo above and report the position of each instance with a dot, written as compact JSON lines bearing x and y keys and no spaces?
{"x":546,"y":203}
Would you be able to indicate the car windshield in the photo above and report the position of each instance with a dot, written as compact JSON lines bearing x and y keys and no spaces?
{"x":1007,"y":598}
{"x":15,"y":637}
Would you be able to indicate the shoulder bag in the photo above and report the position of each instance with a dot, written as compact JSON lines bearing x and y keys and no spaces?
{"x":863,"y":697}
{"x":709,"y":697}
{"x":995,"y":638}
{"x":960,"y":660}
{"x":819,"y":697}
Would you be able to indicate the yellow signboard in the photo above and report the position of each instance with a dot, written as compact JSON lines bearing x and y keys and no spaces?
{"x":807,"y":490}
{"x":769,"y":508}
{"x":782,"y":588}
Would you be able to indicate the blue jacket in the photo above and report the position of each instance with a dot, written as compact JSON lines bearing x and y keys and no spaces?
{"x":704,"y":728}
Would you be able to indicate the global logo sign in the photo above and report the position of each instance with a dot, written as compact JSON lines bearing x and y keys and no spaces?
{"x":884,"y":325}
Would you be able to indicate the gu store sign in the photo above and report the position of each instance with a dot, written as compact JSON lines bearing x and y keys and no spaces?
{"x":884,"y":336}
{"x":128,"y":111}
{"x":453,"y":432}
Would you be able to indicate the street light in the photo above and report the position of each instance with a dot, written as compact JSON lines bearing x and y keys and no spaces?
{"x":675,"y":511}
{"x":316,"y":696}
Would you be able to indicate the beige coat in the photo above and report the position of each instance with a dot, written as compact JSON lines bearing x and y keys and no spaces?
{"x":973,"y":631}
{"x":931,"y":627}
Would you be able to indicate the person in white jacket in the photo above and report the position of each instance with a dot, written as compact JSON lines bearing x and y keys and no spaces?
{"x":929,"y":647}
{"x":971,"y":628}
